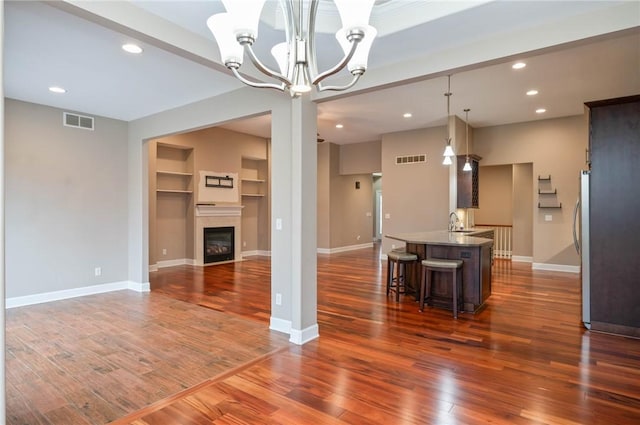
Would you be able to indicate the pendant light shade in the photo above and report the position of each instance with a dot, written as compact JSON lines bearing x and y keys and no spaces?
{"x":467,"y":165}
{"x":448,"y":150}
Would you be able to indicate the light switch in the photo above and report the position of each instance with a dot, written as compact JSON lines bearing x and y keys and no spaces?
{"x":368,"y":214}
{"x":278,"y":224}
{"x":387,"y":215}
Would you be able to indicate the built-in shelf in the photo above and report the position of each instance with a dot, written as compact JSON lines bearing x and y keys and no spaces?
{"x":174,"y":191}
{"x":253,"y":195}
{"x":175,"y":173}
{"x":545,"y":178}
{"x":547,"y":192}
{"x":253,"y":180}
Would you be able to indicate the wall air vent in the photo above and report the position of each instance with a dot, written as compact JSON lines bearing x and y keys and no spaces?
{"x":78,"y":121}
{"x":411,"y":159}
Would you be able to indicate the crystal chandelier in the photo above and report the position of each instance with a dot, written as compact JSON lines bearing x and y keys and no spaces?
{"x":236,"y":30}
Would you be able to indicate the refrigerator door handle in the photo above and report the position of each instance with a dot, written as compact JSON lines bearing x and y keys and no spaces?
{"x":576,"y":242}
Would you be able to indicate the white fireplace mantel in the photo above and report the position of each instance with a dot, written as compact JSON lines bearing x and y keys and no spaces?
{"x":217,"y":215}
{"x":212,"y":210}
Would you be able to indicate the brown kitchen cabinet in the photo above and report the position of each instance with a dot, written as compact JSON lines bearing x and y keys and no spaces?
{"x":468,"y":185}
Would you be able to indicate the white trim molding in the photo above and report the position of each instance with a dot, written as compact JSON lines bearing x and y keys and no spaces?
{"x":555,"y":267}
{"x":257,"y":252}
{"x":302,"y":336}
{"x":344,"y":248}
{"x":280,"y":325}
{"x":521,"y":259}
{"x":64,"y":294}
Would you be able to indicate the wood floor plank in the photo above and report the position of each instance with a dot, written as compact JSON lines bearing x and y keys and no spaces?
{"x":524,"y":359}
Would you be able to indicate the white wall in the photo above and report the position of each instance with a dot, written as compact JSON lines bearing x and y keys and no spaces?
{"x":66,"y":201}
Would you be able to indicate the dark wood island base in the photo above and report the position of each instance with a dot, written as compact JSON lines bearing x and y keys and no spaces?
{"x":475,"y":254}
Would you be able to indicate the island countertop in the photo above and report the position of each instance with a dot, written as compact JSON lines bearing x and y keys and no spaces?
{"x":442,"y":237}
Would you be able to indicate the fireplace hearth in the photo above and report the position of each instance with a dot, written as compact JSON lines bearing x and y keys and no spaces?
{"x":218,"y":244}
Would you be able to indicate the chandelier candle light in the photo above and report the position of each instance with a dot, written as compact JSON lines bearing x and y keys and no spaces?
{"x":236,"y":30}
{"x":467,"y":165}
{"x":448,"y":151}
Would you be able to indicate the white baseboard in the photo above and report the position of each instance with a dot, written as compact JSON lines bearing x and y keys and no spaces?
{"x":280,"y":325}
{"x":64,"y":294}
{"x":258,"y":252}
{"x":521,"y":259}
{"x":555,"y":267}
{"x":302,"y":336}
{"x":344,"y":248}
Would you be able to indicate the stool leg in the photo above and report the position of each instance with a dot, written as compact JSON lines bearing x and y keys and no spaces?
{"x":455,"y":293}
{"x":423,"y":283}
{"x":389,"y":275}
{"x":400,"y":279}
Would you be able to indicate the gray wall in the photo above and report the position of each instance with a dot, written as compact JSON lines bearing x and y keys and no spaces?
{"x":66,"y":201}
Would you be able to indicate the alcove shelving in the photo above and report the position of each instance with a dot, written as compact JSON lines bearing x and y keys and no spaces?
{"x":251,"y":178}
{"x":174,"y":169}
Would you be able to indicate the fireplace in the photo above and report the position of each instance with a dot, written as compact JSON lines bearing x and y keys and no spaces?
{"x":218,"y":244}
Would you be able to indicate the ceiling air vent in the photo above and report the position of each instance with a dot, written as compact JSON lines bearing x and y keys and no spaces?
{"x":77,"y":121}
{"x":411,"y":159}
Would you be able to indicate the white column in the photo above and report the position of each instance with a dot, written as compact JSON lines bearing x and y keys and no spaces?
{"x":2,"y":224}
{"x":294,"y":217}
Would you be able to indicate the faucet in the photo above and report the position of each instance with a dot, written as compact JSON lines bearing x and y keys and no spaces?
{"x":453,"y":221}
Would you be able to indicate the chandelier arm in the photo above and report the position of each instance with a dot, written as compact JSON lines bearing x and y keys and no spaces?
{"x":340,"y":88}
{"x":262,"y":68}
{"x":340,"y":65}
{"x":311,"y":37}
{"x":280,"y":87}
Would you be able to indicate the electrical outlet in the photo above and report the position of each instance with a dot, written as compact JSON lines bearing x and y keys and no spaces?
{"x":387,"y":216}
{"x":548,"y":217}
{"x":393,"y":246}
{"x":244,"y":244}
{"x":278,"y":299}
{"x":164,"y":251}
{"x":368,"y":214}
{"x":358,"y":237}
{"x":98,"y":271}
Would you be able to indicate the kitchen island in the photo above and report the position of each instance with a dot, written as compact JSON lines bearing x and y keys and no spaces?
{"x":475,"y":253}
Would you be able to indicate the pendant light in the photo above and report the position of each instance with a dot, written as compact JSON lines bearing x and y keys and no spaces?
{"x":448,"y":151}
{"x":467,"y":165}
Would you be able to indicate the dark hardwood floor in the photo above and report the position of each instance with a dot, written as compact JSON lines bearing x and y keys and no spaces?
{"x":525,"y":359}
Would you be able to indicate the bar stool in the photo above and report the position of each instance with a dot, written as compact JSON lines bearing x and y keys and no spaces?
{"x":430,"y":265}
{"x":397,"y":276}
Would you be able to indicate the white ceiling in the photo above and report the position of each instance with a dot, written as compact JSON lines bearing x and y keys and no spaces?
{"x":576,"y":51}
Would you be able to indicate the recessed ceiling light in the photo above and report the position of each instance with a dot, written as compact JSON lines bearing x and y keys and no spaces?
{"x":132,"y":48}
{"x":56,"y":89}
{"x":540,"y":111}
{"x":407,"y":115}
{"x":339,"y":126}
{"x":518,"y":65}
{"x":532,"y":92}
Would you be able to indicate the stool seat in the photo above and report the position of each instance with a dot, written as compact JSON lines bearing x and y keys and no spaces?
{"x":430,"y":265}
{"x":442,"y":264}
{"x":401,"y":256}
{"x":397,"y":260}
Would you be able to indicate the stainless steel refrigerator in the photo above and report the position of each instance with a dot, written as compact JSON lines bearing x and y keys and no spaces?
{"x":581,"y":241}
{"x":607,"y":216}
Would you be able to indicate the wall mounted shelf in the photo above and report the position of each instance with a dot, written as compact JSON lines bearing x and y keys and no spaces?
{"x":547,"y":195}
{"x":550,"y":206}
